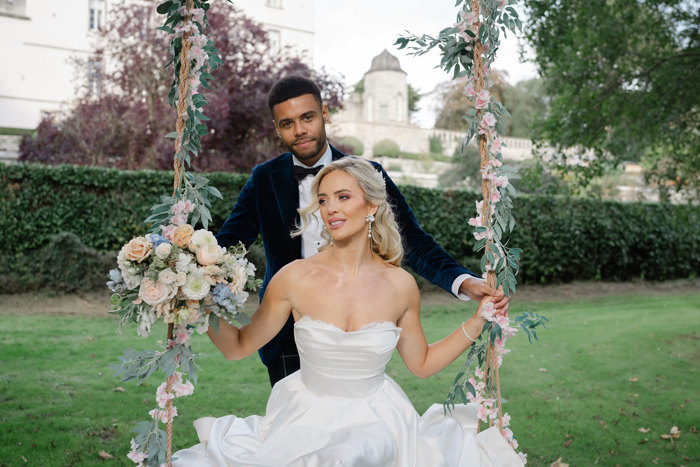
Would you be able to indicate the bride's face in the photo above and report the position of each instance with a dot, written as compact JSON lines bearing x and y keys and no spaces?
{"x":343,"y":206}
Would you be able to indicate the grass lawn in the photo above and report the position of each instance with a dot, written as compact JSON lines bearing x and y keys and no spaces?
{"x":602,"y":370}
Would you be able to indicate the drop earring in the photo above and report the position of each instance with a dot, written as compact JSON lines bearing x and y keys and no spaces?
{"x":369,"y":219}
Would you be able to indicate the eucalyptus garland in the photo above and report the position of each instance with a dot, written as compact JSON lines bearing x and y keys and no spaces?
{"x":178,"y":274}
{"x":468,"y":49}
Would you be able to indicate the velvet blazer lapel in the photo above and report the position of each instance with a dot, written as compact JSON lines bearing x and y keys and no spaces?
{"x":286,"y":193}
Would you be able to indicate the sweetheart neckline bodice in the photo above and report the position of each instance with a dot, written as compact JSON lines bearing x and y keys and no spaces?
{"x":365,"y":327}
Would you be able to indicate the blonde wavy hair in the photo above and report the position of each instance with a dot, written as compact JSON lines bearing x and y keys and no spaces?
{"x":386,"y":240}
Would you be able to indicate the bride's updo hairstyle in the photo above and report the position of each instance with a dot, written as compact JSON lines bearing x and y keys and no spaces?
{"x":386,"y":240}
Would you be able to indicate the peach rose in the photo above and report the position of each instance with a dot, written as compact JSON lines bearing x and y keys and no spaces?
{"x":137,"y":249}
{"x":182,"y":234}
{"x":209,"y":254}
{"x":155,"y":293}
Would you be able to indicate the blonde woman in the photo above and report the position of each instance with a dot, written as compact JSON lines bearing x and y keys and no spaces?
{"x":352,"y":305}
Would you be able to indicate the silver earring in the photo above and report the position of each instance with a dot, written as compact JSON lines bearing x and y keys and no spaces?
{"x":369,"y":219}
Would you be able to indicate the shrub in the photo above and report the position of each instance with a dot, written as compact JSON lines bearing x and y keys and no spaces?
{"x":386,"y":148}
{"x":355,"y":145}
{"x":563,"y":238}
{"x":435,"y":145}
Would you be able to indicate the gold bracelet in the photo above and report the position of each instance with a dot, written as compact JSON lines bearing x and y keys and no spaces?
{"x":467,"y":335}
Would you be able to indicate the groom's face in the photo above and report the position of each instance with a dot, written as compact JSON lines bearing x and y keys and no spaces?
{"x":300,"y":123}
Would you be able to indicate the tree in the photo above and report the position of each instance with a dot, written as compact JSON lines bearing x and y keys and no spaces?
{"x":526,"y":102}
{"x":454,"y":104}
{"x":125,"y":123}
{"x":623,"y":78}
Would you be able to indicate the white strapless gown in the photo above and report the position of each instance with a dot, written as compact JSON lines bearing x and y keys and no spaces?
{"x":341,"y":409}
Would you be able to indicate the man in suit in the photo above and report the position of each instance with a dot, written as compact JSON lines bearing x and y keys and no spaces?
{"x":269,"y":200}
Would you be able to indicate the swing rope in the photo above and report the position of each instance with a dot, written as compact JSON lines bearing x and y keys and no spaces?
{"x":491,"y":364}
{"x":182,"y":105}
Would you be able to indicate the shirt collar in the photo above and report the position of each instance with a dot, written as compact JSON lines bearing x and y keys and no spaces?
{"x":325,"y":159}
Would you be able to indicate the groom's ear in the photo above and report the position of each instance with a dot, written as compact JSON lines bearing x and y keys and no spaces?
{"x":277,"y":129}
{"x":326,"y":114}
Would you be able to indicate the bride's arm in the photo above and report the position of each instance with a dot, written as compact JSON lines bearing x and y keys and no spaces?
{"x":267,"y":321}
{"x":425,"y":360}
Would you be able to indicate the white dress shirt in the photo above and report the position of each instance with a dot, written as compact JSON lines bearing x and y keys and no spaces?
{"x":311,"y":238}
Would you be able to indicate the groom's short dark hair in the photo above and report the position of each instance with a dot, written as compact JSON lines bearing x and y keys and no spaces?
{"x":290,"y":87}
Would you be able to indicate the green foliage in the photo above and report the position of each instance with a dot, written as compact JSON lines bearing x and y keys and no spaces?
{"x":563,"y":238}
{"x":413,"y":97}
{"x":622,"y":77}
{"x":64,"y":264}
{"x":386,"y":148}
{"x":465,"y":170}
{"x":357,"y":147}
{"x":435,"y":145}
{"x":4,"y":130}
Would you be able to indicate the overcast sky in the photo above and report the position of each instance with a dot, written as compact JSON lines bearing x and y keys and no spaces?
{"x":349,"y":33}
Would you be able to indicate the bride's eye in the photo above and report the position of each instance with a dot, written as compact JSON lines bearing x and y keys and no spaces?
{"x":322,"y":201}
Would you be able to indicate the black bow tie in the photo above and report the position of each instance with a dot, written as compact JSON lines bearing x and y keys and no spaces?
{"x":300,"y":173}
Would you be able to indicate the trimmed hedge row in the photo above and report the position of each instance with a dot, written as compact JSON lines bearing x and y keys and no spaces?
{"x":563,"y":239}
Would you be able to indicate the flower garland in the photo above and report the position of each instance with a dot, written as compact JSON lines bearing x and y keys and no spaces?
{"x":468,"y":48}
{"x":178,"y":274}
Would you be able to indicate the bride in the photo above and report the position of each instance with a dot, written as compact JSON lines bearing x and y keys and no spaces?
{"x":352,"y":305}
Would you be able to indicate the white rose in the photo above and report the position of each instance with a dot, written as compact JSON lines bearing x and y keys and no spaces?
{"x":180,"y":278}
{"x":200,"y":238}
{"x":183,"y":262}
{"x":163,"y":250}
{"x":167,"y":276}
{"x":209,"y":254}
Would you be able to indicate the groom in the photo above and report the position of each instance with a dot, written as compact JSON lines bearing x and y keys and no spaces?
{"x":269,"y":200}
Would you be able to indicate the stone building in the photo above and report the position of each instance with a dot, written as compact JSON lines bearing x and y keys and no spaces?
{"x":379,"y":109}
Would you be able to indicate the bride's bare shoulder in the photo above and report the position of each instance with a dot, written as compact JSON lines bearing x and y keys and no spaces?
{"x":299,"y":269}
{"x":402,"y":279}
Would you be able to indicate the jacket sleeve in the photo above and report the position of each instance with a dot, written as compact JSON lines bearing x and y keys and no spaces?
{"x":243,"y":223}
{"x":421,"y":252}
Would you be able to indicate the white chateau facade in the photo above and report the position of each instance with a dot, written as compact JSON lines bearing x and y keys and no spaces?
{"x":40,"y":37}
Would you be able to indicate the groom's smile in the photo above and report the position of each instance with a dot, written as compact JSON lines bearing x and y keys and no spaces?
{"x":300,"y":123}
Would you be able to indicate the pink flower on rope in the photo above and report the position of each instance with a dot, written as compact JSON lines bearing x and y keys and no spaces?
{"x":167,"y":231}
{"x":488,"y":119}
{"x":481,"y":413}
{"x":488,"y":233}
{"x":475,"y":221}
{"x":495,"y":147}
{"x":163,"y":415}
{"x":469,"y":91}
{"x":179,"y":219}
{"x":482,"y":99}
{"x":500,"y":181}
{"x":488,"y":312}
{"x":495,"y":196}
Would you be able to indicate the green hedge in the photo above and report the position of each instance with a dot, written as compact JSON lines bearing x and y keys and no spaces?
{"x":563,"y":239}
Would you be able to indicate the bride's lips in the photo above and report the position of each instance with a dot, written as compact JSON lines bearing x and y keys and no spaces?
{"x":335,"y":223}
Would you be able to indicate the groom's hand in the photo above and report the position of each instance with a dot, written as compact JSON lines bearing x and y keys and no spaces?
{"x":477,"y":289}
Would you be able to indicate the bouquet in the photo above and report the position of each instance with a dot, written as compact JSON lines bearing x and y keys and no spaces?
{"x":185,"y":278}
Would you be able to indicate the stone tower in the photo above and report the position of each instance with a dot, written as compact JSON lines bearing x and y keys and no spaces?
{"x":385,"y":97}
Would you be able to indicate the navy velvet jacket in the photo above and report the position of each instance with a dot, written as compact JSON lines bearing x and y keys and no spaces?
{"x":268,"y":205}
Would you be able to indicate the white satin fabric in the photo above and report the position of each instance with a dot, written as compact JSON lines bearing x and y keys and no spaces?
{"x":341,"y":409}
